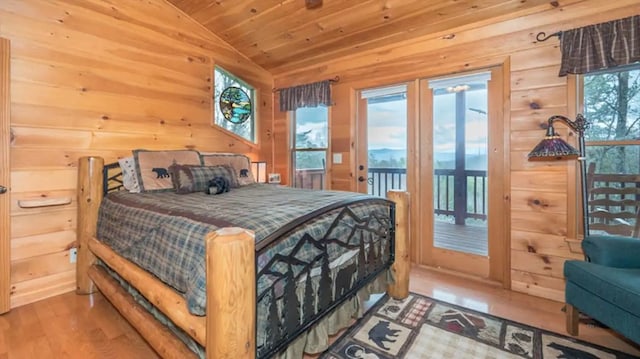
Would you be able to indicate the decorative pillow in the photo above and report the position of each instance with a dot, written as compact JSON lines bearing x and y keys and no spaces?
{"x":129,"y":175}
{"x":188,"y":179}
{"x":152,"y":167}
{"x":240,"y":164}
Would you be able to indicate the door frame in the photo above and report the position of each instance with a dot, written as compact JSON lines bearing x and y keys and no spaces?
{"x":498,"y":171}
{"x":5,"y":176}
{"x":413,"y":153}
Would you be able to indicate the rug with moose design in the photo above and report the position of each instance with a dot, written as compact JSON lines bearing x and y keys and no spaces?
{"x":421,"y":327}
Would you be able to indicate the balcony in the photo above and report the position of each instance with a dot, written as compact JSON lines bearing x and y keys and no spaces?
{"x":309,"y":178}
{"x":461,"y":214}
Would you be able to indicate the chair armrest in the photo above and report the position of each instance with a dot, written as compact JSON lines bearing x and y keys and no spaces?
{"x":613,"y":251}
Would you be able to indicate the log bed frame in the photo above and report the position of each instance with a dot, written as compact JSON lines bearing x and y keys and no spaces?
{"x":230,"y":333}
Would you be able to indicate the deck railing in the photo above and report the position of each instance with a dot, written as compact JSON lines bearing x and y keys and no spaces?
{"x":309,"y":178}
{"x":458,"y":193}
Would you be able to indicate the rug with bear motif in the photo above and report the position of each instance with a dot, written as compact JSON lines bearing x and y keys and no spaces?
{"x":421,"y":327}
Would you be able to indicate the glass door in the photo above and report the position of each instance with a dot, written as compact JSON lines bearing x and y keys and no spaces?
{"x":382,"y":140}
{"x":466,"y":208}
{"x":460,"y":139}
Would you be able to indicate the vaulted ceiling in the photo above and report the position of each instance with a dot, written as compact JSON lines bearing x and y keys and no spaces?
{"x":274,"y":33}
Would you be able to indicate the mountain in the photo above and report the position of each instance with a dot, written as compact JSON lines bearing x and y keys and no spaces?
{"x":441,"y":160}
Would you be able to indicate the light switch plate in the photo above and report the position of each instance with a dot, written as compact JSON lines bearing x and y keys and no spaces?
{"x":337,"y":158}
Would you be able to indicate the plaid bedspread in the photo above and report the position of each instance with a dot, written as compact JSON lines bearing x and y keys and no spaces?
{"x":164,"y":232}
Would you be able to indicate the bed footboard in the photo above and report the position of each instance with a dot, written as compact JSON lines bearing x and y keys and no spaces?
{"x":229,"y":328}
{"x":402,"y":264}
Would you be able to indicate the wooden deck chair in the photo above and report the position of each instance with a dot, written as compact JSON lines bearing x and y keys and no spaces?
{"x":614,"y":203}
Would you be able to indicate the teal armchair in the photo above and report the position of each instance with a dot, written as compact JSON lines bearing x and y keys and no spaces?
{"x":606,"y":287}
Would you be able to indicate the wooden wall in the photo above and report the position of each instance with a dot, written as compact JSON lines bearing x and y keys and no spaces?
{"x":542,"y":195}
{"x":94,"y":77}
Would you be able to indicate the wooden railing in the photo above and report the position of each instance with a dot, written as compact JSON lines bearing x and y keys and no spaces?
{"x":310,"y":178}
{"x":381,"y":180}
{"x":614,"y":203}
{"x":460,"y":193}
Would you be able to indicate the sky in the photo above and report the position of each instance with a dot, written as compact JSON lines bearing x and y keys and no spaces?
{"x":387,"y":123}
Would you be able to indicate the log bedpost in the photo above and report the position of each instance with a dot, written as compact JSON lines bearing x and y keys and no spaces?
{"x":231,"y":294}
{"x":402,"y":263}
{"x":89,"y":198}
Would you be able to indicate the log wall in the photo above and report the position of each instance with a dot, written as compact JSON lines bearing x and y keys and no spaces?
{"x":542,"y":220}
{"x":101,"y":78}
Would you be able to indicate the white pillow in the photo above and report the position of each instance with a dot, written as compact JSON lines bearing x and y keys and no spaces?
{"x":129,"y":176}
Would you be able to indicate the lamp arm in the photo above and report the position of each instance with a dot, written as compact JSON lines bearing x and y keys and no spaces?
{"x":579,"y":125}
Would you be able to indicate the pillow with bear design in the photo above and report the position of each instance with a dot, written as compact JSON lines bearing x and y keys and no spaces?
{"x":189,"y":178}
{"x":240,"y":165}
{"x":152,"y":167}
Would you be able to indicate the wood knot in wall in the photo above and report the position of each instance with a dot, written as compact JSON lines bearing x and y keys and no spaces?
{"x":534,"y":202}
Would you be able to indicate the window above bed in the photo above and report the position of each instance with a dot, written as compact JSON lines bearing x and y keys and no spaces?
{"x":234,"y":102}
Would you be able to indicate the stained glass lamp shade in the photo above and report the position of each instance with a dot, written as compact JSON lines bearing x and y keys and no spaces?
{"x":553,"y":147}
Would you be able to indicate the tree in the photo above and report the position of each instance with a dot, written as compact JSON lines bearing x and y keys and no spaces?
{"x":612,"y":105}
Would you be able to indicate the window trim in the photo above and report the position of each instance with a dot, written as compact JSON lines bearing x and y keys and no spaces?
{"x":292,"y":149}
{"x":575,"y":84}
{"x":215,"y":107}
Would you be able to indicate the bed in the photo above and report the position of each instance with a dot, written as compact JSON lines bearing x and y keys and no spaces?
{"x":256,"y":290}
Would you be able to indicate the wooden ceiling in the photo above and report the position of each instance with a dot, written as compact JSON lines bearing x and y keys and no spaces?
{"x":275,"y":33}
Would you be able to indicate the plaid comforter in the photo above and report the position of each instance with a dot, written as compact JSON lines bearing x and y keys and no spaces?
{"x":163,"y":232}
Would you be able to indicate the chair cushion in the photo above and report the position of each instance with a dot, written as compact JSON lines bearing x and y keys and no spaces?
{"x":618,"y":286}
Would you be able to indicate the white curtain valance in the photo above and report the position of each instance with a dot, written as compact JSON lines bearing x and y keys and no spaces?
{"x":383,"y":91}
{"x":479,"y":77}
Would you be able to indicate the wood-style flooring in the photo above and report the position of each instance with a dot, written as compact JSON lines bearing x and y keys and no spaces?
{"x":461,"y":238}
{"x":71,"y":326}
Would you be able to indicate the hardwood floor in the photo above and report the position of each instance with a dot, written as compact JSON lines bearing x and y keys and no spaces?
{"x":71,"y":326}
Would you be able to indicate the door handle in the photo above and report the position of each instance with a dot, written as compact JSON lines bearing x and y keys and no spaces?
{"x":3,"y":189}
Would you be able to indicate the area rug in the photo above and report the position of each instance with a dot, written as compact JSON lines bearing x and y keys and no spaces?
{"x":421,"y":327}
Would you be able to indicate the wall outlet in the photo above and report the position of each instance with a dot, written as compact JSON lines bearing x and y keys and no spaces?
{"x":73,"y":255}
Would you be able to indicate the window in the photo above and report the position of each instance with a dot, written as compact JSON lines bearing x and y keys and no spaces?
{"x":309,"y":147}
{"x":234,"y":102}
{"x":612,"y":106}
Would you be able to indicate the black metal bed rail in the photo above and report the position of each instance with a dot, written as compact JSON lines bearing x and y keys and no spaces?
{"x":111,"y":178}
{"x":373,"y":237}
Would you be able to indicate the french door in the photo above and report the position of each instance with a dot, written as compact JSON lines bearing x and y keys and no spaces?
{"x":463,"y":136}
{"x":382,"y":129}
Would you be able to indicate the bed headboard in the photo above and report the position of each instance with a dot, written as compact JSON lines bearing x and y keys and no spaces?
{"x":111,"y":178}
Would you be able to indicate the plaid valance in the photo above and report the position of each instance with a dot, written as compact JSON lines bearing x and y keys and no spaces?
{"x":600,"y":46}
{"x":309,"y":95}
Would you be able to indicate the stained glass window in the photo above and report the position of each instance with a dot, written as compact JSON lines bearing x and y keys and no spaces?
{"x":234,"y":104}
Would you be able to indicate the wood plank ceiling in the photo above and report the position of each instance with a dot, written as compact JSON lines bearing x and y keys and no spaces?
{"x":275,"y":33}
